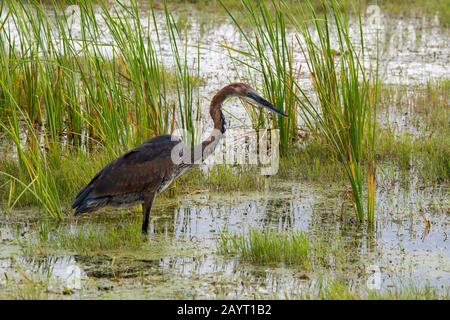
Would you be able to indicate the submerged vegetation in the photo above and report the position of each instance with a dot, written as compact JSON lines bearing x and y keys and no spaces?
{"x":269,"y":247}
{"x":99,"y":238}
{"x":297,"y":249}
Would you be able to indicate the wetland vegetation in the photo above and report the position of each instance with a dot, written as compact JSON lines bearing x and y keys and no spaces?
{"x":81,"y":84}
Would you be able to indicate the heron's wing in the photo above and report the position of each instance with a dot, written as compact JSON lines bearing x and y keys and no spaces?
{"x":141,"y":169}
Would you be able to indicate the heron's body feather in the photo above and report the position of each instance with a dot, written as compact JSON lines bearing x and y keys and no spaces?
{"x":128,"y":179}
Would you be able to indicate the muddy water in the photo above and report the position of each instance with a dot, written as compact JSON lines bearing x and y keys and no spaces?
{"x":188,"y":265}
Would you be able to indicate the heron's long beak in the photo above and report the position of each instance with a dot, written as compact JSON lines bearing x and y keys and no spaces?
{"x":256,"y":98}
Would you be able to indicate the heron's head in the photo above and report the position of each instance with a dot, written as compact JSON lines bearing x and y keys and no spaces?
{"x":249,"y":94}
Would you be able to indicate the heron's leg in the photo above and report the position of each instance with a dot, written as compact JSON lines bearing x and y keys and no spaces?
{"x":146,"y":208}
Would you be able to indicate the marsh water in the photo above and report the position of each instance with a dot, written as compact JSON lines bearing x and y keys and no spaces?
{"x":180,"y":258}
{"x":186,"y":263}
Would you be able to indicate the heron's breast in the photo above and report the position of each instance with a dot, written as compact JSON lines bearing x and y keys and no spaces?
{"x":168,"y":179}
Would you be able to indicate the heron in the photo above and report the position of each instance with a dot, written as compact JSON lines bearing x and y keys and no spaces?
{"x":142,"y":173}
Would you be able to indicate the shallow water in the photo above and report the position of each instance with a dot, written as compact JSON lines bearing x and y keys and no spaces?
{"x":399,"y":247}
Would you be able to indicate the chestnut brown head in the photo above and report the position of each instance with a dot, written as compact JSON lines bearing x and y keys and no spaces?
{"x":249,"y":94}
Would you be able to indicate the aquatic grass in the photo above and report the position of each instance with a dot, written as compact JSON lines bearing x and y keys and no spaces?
{"x":87,"y":93}
{"x":311,"y":162}
{"x":143,"y":71}
{"x":294,"y":249}
{"x":345,"y":88}
{"x":26,"y":287}
{"x":268,"y":247}
{"x":87,"y":239}
{"x":426,"y":157}
{"x":270,"y":53}
{"x":92,"y":239}
{"x":67,"y":178}
{"x":212,"y":13}
{"x":427,"y":105}
{"x":33,"y":174}
{"x":228,"y":178}
{"x":185,"y":81}
{"x":66,"y":95}
{"x":102,"y":237}
{"x":346,"y":91}
{"x":410,"y":292}
{"x":420,"y":147}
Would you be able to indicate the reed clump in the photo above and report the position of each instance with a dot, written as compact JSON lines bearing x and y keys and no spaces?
{"x":270,"y":53}
{"x":297,"y":249}
{"x":269,"y":247}
{"x":340,"y":108}
{"x":87,"y":82}
{"x":343,"y":109}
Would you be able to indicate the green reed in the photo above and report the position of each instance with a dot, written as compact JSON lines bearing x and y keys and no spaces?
{"x":70,"y":92}
{"x":344,"y":106}
{"x":270,"y":53}
{"x":340,"y":108}
{"x":34,"y":175}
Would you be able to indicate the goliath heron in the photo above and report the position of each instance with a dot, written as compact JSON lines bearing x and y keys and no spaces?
{"x":144,"y":172}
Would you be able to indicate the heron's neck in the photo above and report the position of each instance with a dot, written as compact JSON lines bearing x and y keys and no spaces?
{"x":215,"y":110}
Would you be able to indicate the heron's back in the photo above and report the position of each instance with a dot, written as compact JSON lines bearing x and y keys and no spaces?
{"x":127,"y":180}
